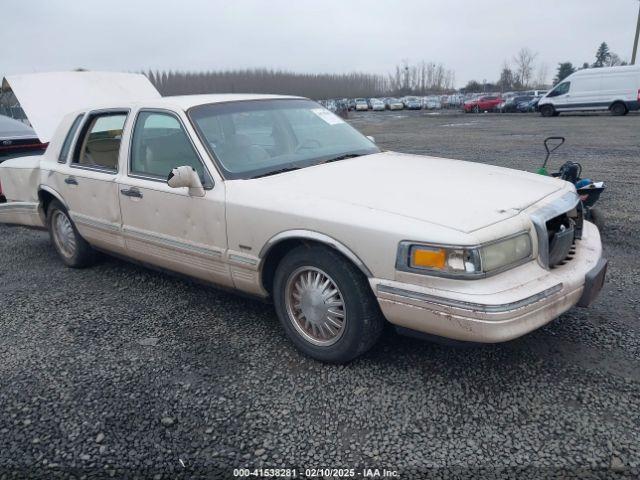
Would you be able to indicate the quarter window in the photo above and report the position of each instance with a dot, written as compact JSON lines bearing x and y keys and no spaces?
{"x":160,"y":144}
{"x":66,"y":146}
{"x":101,"y":139}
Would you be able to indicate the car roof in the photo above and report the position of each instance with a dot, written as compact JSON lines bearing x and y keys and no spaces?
{"x":185,"y":102}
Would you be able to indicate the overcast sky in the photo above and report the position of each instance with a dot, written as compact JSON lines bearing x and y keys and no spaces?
{"x":472,"y":37}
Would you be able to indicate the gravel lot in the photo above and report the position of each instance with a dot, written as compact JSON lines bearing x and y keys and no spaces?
{"x":119,"y":371}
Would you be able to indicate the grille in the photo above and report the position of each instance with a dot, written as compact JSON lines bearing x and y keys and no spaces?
{"x":561,"y":234}
{"x":558,"y":228}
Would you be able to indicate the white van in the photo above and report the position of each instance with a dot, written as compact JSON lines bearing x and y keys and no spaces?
{"x":611,"y":88}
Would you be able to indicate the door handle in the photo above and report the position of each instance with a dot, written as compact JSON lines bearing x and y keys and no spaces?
{"x":131,"y":192}
{"x":70,"y":181}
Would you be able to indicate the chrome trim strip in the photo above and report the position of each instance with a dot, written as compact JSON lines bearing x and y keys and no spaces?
{"x":470,"y":306}
{"x":94,"y":168}
{"x":94,"y":222}
{"x":20,"y":207}
{"x":242,"y":260}
{"x":170,"y":243}
{"x":318,"y":237}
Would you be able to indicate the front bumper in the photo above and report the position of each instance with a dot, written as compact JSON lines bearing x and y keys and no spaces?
{"x":499,"y":308}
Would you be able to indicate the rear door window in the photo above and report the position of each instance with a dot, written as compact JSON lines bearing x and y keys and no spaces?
{"x":101,"y":138}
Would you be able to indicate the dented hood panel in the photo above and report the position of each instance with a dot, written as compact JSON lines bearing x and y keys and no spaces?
{"x":463,"y":196}
{"x":47,"y":97}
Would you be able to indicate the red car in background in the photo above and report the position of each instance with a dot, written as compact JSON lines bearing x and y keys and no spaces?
{"x":486,"y":103}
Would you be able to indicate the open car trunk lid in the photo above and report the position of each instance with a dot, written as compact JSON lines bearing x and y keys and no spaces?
{"x":47,"y":97}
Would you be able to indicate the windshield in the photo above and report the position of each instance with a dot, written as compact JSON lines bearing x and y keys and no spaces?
{"x":258,"y":137}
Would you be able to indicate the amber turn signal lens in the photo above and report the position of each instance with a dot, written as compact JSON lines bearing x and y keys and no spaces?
{"x":428,"y":258}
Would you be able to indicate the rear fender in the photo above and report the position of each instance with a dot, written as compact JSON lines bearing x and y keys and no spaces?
{"x":20,"y":178}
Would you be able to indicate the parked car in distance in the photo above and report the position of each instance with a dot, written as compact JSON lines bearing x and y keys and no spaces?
{"x":510,"y":105}
{"x":412,"y":103}
{"x":487,"y":103}
{"x":431,"y":103}
{"x":528,"y":106}
{"x":377,"y":104}
{"x":352,"y":239}
{"x":616,"y":89}
{"x":351,"y":103}
{"x":18,"y":140}
{"x":361,"y":104}
{"x":453,"y":101}
{"x":393,"y":103}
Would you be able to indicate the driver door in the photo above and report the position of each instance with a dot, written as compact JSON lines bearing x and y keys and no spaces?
{"x":165,"y":226}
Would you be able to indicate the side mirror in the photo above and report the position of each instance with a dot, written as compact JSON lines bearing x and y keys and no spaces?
{"x":371,"y":138}
{"x":186,"y":177}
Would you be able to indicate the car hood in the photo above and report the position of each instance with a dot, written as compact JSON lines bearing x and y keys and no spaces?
{"x":47,"y":97}
{"x":463,"y":196}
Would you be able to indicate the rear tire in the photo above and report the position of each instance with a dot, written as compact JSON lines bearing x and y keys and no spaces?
{"x":72,"y":249}
{"x":547,"y":111}
{"x":330,"y":327}
{"x":618,"y":109}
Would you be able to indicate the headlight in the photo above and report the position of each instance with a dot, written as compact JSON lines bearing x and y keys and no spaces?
{"x":464,"y":262}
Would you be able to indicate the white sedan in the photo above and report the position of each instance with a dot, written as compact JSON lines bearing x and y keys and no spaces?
{"x":277,"y":197}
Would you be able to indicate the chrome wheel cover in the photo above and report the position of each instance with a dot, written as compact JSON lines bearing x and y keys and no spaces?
{"x":315,"y":306}
{"x":63,"y":234}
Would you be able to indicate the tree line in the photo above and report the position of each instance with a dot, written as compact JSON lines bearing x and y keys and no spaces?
{"x":519,"y":73}
{"x":604,"y":58}
{"x":523,"y":73}
{"x":419,"y":79}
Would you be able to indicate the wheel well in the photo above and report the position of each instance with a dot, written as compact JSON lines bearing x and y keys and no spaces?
{"x":277,"y":252}
{"x":616,"y":102}
{"x":45,"y":200}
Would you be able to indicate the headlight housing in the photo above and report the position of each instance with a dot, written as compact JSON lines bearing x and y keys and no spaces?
{"x":465,"y":262}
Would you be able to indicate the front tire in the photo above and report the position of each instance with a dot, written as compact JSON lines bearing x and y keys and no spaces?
{"x":326,"y":305}
{"x":72,"y":249}
{"x":547,"y":111}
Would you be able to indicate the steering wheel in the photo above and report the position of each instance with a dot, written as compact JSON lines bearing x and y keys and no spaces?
{"x":308,"y":143}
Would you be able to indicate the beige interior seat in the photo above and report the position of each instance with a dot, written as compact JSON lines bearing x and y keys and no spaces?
{"x":102,"y":152}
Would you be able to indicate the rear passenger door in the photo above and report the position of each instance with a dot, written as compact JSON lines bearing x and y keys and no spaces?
{"x":87,"y":175}
{"x":166,"y":226}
